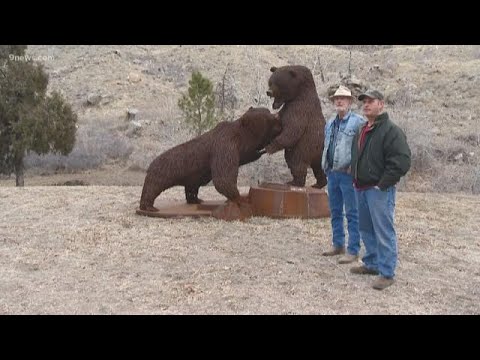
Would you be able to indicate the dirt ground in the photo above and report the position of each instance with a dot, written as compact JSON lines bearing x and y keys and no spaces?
{"x":83,"y":250}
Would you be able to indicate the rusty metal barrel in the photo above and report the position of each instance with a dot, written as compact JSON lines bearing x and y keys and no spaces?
{"x":285,"y":201}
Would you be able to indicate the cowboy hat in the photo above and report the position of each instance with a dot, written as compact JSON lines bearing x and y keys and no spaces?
{"x":341,"y":91}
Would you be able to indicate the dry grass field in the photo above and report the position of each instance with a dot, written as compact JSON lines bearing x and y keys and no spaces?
{"x":83,"y":250}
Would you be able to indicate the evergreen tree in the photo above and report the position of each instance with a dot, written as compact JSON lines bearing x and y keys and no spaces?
{"x":30,"y":120}
{"x":198,"y":106}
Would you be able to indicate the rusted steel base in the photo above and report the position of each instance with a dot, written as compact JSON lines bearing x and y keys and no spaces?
{"x":179,"y":210}
{"x":285,"y":201}
{"x":224,"y":210}
{"x":230,"y":211}
{"x":267,"y":199}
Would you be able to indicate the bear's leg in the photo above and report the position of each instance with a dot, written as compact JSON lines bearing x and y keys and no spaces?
{"x":319,"y":175}
{"x":299,"y":176}
{"x":298,"y":169}
{"x":191,"y":190}
{"x":191,"y":194}
{"x":151,"y":189}
{"x":227,"y":186}
{"x":225,"y":173}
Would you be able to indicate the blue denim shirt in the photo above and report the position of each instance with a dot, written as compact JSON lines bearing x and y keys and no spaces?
{"x":343,"y":143}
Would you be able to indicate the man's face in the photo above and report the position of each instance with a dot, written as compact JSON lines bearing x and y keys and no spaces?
{"x":342,"y":103}
{"x":372,"y":107}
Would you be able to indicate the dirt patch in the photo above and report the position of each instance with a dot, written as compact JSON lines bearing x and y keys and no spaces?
{"x":83,"y":250}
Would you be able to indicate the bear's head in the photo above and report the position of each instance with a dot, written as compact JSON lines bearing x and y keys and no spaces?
{"x":287,"y":82}
{"x":262,"y":124}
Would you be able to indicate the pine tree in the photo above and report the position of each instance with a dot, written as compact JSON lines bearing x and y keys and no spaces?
{"x":30,"y":120}
{"x":198,"y":106}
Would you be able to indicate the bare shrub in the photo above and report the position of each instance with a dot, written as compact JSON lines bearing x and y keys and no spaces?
{"x":78,"y":159}
{"x":423,"y":158}
{"x":166,"y":122}
{"x":75,"y":182}
{"x":321,"y":65}
{"x":391,"y":66}
{"x":451,"y":178}
{"x":269,"y":168}
{"x":136,"y":167}
{"x":164,"y":131}
{"x":173,"y":72}
{"x":117,"y":147}
{"x":225,"y":95}
{"x":402,"y":97}
{"x":93,"y":146}
{"x":257,"y":95}
{"x":419,"y":139}
{"x":143,"y":155}
{"x":439,"y":163}
{"x":471,"y":139}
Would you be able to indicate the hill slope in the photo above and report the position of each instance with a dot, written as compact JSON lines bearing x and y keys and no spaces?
{"x":432,"y":93}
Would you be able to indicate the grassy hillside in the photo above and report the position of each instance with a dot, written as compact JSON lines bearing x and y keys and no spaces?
{"x":432,"y":93}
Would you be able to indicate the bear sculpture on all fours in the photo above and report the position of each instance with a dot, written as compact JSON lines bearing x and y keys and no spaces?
{"x":303,"y":123}
{"x":215,"y":155}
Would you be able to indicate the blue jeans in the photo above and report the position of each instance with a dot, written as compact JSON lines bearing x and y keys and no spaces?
{"x":341,"y":193}
{"x":376,"y":210}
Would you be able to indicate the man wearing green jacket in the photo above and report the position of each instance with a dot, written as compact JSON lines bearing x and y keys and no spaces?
{"x":380,"y":157}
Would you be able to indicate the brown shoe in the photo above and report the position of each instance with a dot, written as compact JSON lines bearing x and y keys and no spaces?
{"x":382,"y":282}
{"x":362,"y":270}
{"x":334,"y":251}
{"x":347,"y":259}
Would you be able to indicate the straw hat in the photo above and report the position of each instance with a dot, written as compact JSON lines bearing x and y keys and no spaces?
{"x":341,"y":91}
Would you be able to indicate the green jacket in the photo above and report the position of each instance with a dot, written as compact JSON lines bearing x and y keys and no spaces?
{"x":385,"y":156}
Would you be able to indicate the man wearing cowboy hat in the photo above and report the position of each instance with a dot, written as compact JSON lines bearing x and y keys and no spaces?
{"x":339,"y":134}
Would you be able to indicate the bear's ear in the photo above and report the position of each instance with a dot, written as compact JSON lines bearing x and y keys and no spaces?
{"x":273,"y":69}
{"x":292,"y":73}
{"x":250,"y":108}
